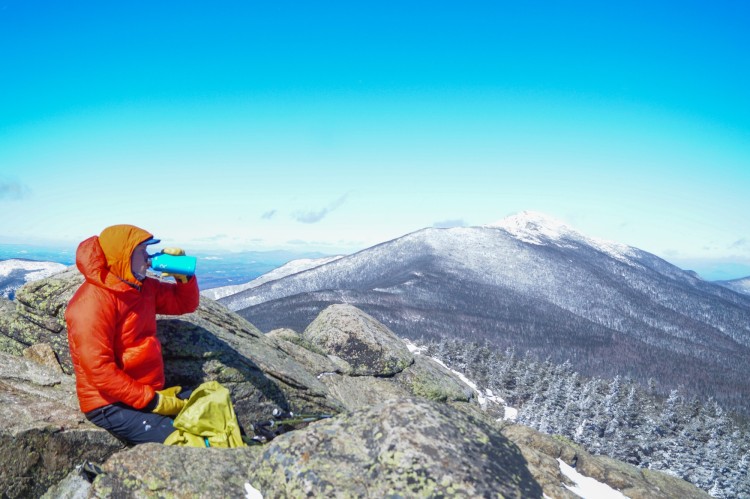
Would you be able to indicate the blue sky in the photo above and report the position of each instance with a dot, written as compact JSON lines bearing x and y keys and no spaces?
{"x":333,"y":126}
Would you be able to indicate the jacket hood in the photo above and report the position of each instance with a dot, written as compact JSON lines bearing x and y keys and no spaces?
{"x":105,"y":259}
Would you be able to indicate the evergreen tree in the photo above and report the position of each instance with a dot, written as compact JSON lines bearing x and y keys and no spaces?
{"x":667,"y":442}
{"x":570,"y":412}
{"x":695,"y":441}
{"x":739,"y":477}
{"x":587,"y":427}
{"x":627,"y":442}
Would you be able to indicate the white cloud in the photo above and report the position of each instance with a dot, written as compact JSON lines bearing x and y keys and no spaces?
{"x":13,"y":190}
{"x":311,"y":217}
{"x":447,"y":224}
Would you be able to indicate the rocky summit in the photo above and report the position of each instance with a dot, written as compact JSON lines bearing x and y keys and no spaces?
{"x":402,"y":425}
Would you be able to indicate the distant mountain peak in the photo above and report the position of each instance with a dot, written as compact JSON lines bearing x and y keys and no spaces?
{"x":534,"y":227}
{"x":541,"y":229}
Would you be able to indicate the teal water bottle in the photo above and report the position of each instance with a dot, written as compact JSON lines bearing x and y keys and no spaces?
{"x":171,"y":264}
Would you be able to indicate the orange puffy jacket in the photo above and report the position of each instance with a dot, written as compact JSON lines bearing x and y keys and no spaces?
{"x":111,"y":322}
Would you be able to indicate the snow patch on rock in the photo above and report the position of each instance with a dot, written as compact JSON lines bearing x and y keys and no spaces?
{"x":485,"y":399}
{"x":251,"y":492}
{"x":587,"y":487}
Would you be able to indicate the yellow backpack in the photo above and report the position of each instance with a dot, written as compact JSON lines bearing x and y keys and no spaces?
{"x":207,"y":420}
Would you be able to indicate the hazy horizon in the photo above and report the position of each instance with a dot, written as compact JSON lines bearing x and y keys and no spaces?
{"x":709,"y":270}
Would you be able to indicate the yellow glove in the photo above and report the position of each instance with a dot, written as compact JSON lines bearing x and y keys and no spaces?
{"x":175,"y":252}
{"x":169,"y":404}
{"x":178,"y":277}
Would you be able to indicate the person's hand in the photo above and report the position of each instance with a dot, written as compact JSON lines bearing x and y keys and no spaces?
{"x":169,"y":404}
{"x":175,"y":252}
{"x":177,"y":277}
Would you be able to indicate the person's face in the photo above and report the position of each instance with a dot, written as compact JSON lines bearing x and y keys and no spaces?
{"x":139,"y":262}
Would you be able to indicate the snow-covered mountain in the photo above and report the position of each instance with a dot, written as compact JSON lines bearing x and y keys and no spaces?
{"x":538,"y":228}
{"x":287,"y":269}
{"x":15,"y":273}
{"x":531,"y":283}
{"x":740,"y":285}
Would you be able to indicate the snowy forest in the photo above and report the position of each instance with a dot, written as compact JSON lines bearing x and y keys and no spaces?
{"x":692,"y":439}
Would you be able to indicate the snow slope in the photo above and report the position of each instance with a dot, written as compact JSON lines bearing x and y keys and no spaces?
{"x":33,"y":270}
{"x":287,"y":269}
{"x":540,"y":229}
{"x":16,"y":272}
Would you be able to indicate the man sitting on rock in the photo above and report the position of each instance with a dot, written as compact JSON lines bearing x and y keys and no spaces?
{"x":111,"y":323}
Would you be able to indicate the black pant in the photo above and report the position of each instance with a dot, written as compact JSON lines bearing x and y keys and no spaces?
{"x":131,"y":425}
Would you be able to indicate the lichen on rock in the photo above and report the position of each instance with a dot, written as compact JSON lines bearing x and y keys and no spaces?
{"x":400,"y":448}
{"x":370,"y":348}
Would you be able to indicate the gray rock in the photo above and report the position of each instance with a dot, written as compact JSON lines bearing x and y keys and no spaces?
{"x":73,"y":486}
{"x":542,"y":451}
{"x":362,"y":392}
{"x":8,"y":343}
{"x":43,"y":435}
{"x":370,"y":348}
{"x":38,"y":316}
{"x":426,"y":378}
{"x":311,"y":357}
{"x":403,"y":448}
{"x":216,"y":344}
{"x":43,"y":354}
{"x":285,"y":334}
{"x":153,"y":470}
